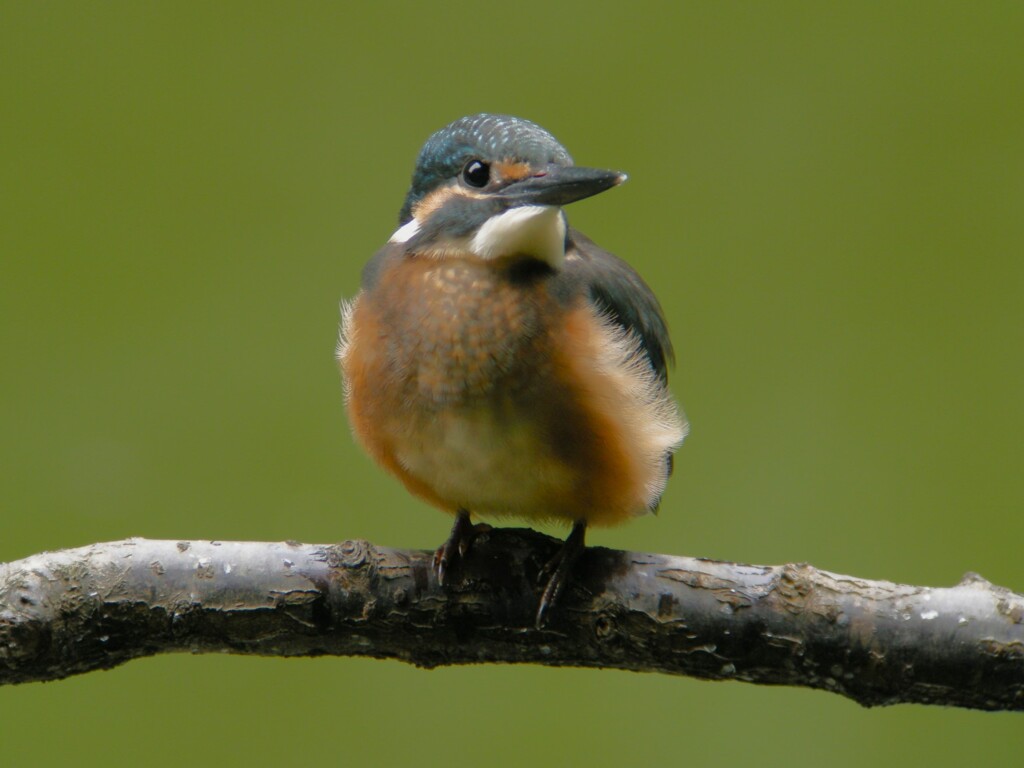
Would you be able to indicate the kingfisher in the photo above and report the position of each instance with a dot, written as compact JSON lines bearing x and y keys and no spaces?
{"x":497,"y":361}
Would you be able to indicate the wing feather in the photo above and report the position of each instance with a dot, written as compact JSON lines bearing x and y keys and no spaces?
{"x":617,"y":290}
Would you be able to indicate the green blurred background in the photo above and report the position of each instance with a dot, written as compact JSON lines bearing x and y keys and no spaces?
{"x":828,"y":200}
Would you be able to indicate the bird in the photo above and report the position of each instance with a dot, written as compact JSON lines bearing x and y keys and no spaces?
{"x":499,"y":362}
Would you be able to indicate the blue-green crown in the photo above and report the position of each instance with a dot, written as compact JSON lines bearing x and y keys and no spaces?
{"x":486,"y":137}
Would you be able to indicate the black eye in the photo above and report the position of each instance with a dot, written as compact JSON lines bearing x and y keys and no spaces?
{"x":476,"y":174}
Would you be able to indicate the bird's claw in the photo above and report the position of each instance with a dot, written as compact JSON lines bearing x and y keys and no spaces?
{"x":557,"y":570}
{"x":457,"y":545}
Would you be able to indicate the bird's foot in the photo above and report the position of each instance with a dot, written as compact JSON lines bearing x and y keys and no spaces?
{"x":558,"y":569}
{"x":457,"y":545}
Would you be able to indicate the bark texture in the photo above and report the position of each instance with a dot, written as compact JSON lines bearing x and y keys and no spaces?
{"x":62,"y":613}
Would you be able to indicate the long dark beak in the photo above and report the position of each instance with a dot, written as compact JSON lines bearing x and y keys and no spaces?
{"x":561,"y":185}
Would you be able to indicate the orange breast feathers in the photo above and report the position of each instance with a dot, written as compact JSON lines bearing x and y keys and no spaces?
{"x":482,"y":394}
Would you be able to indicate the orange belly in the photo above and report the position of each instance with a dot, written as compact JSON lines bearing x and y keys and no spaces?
{"x":487,"y":395}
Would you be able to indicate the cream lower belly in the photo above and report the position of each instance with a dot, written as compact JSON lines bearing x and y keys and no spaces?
{"x":482,"y":462}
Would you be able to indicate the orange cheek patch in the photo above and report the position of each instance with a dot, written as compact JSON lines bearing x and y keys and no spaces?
{"x":513,"y":171}
{"x":429,"y":204}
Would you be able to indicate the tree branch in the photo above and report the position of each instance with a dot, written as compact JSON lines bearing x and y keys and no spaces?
{"x":62,"y":613}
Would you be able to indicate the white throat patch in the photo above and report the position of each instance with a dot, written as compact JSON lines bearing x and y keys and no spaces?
{"x":530,"y":230}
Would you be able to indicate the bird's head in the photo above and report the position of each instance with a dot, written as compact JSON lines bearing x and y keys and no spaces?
{"x":491,"y":187}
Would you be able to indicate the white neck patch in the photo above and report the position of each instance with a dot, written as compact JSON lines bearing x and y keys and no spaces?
{"x":406,"y":232}
{"x":530,"y":230}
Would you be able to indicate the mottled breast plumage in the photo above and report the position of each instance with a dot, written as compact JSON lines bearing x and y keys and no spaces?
{"x":457,"y":330}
